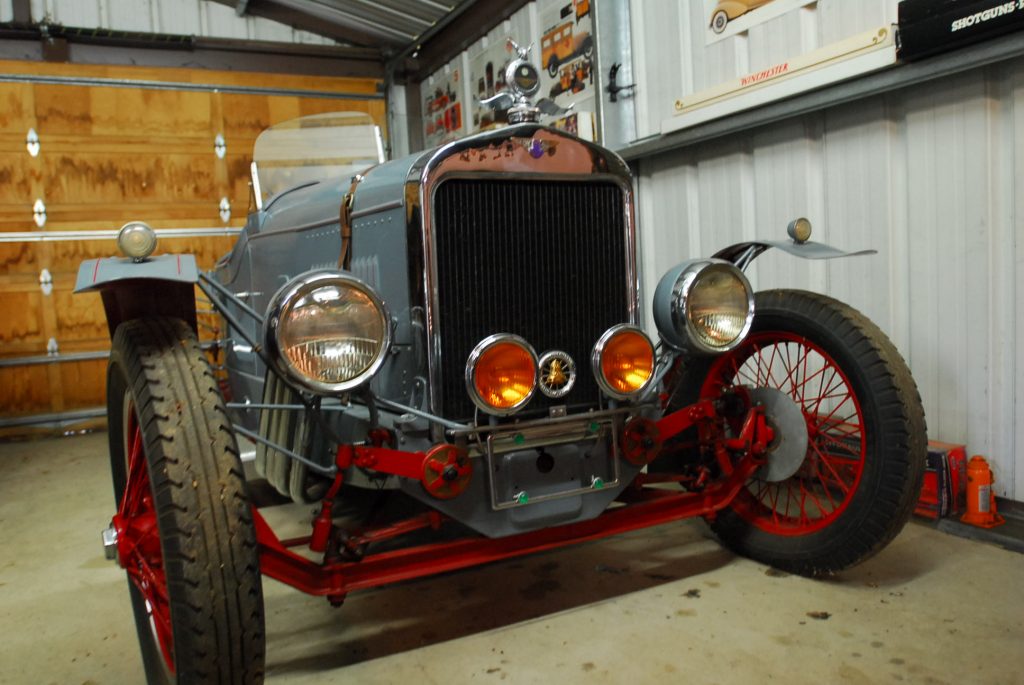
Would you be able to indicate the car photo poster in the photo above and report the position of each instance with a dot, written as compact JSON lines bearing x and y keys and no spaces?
{"x":443,"y":108}
{"x":565,"y":54}
{"x":729,"y":17}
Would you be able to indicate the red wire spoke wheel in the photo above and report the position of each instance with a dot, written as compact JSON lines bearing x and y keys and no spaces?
{"x":184,"y":527}
{"x":138,"y":539}
{"x":820,"y":510}
{"x":823,"y":486}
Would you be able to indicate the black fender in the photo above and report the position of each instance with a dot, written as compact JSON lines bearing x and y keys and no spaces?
{"x":156,"y":286}
{"x":742,"y":254}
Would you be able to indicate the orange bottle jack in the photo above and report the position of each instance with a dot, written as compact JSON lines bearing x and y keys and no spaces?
{"x":981,"y":500}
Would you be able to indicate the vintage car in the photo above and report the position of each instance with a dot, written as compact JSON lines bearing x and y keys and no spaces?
{"x":462,"y":328}
{"x":728,"y":10}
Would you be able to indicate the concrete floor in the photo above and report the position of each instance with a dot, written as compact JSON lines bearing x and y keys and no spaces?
{"x":665,"y":604}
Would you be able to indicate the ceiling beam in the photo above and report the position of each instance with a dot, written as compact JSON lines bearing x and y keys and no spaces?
{"x":464,"y":26}
{"x":304,"y":22}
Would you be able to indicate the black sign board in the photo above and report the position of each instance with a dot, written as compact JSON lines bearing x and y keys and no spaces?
{"x":927,"y":27}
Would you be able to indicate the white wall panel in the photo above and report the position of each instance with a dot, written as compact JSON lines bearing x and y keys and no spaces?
{"x":928,"y":176}
{"x":181,"y":17}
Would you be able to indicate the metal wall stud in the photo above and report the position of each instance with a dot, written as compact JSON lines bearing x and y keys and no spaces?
{"x":220,"y":146}
{"x":225,"y":209}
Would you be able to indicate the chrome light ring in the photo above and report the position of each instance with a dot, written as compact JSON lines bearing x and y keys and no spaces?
{"x":597,"y":354}
{"x":556,"y":374}
{"x":474,"y":359}
{"x":674,"y":312}
{"x":289,"y":295}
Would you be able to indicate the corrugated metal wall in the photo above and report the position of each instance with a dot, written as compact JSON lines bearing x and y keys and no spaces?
{"x":184,"y":17}
{"x":929,"y":176}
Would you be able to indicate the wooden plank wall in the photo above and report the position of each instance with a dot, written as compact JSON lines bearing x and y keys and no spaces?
{"x":109,"y":155}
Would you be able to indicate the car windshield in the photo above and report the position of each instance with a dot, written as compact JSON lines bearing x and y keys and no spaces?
{"x":313,"y":148}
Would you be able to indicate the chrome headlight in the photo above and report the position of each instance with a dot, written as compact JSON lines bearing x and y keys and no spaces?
{"x":328,"y":331}
{"x":704,"y":305}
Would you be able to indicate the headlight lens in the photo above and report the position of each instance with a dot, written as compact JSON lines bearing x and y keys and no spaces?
{"x":623,"y":361}
{"x":704,"y":306}
{"x":501,"y":374}
{"x":329,"y":331}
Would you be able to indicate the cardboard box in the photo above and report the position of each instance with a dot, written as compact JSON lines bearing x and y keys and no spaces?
{"x":944,"y":490}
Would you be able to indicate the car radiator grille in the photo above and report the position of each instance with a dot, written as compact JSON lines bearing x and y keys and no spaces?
{"x":543,"y":260}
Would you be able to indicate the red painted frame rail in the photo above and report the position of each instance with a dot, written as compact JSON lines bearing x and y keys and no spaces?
{"x":649,"y":507}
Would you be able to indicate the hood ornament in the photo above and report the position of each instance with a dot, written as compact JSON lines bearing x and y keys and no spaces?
{"x":523,"y":80}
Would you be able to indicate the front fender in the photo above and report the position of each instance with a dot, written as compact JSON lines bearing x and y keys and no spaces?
{"x":742,"y":254}
{"x":157,"y":286}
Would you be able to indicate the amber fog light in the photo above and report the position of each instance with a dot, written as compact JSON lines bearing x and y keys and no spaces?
{"x":501,"y":374}
{"x":623,"y":361}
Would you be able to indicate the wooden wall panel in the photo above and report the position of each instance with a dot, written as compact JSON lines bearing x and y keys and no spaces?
{"x":83,"y":383}
{"x":26,"y":390}
{"x":111,"y":155}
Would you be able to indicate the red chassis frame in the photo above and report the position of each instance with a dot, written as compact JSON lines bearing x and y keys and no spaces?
{"x":642,"y":507}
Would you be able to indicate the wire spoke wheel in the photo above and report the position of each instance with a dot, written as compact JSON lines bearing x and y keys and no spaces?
{"x":866,"y":440}
{"x":821,"y":489}
{"x":184,"y":528}
{"x":139,"y":538}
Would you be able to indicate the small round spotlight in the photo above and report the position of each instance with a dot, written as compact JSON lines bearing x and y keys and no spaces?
{"x":799,"y":230}
{"x":501,"y":374}
{"x":623,"y":361}
{"x":136,"y":240}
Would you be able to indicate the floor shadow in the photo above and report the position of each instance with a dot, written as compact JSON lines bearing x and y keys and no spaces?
{"x":399,"y":618}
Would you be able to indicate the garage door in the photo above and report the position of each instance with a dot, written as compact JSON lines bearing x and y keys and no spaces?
{"x":84,"y":150}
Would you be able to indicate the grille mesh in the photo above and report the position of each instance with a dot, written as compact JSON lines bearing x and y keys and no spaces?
{"x":544,"y":260}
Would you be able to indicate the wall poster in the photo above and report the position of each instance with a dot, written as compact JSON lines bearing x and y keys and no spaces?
{"x":443,"y":107}
{"x":728,"y":17}
{"x":566,"y":57}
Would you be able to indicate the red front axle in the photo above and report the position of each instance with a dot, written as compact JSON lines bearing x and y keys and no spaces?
{"x":646,"y":507}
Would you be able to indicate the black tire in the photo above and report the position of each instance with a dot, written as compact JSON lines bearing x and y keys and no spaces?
{"x":866,"y":466}
{"x":166,"y":415}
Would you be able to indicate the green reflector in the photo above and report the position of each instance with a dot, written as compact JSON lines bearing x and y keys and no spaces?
{"x":596,"y":483}
{"x":522,"y":498}
{"x":519,"y":439}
